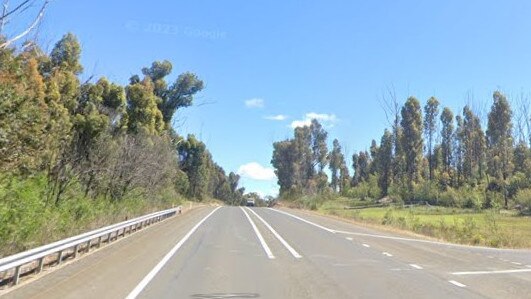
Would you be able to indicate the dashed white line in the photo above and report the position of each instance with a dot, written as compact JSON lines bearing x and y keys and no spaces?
{"x":349,"y":238}
{"x":277,"y":235}
{"x":516,"y":263}
{"x":304,"y":220}
{"x":366,"y":245}
{"x":528,"y":266}
{"x":134,"y":293}
{"x":457,"y":283}
{"x":259,"y":235}
{"x":387,"y":254}
{"x":416,"y":266}
{"x":492,"y":272}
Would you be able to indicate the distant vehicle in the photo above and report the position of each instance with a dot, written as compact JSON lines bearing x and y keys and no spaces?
{"x":250,"y":203}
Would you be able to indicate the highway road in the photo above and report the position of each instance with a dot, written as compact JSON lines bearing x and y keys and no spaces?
{"x":236,"y":252}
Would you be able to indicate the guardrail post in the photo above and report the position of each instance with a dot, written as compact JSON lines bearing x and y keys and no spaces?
{"x":16,"y":276}
{"x":41,"y":265}
{"x":88,"y":245}
{"x":60,"y":257}
{"x":109,"y":238}
{"x":99,"y":241}
{"x":76,"y":248}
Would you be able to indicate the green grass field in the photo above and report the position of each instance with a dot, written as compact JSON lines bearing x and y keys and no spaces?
{"x":489,"y":228}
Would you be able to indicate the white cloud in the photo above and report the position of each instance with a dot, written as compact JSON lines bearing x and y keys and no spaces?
{"x":254,"y":103}
{"x":321,"y":116}
{"x":327,"y":120}
{"x":255,"y":171}
{"x":301,"y":123}
{"x":279,"y":117}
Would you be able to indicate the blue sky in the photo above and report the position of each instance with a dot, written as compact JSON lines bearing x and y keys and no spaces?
{"x":334,"y":59}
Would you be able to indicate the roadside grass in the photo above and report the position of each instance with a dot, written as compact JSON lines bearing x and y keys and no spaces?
{"x":28,"y":220}
{"x":465,"y":226}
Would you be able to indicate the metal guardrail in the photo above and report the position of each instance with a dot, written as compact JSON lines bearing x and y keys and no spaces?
{"x":76,"y":244}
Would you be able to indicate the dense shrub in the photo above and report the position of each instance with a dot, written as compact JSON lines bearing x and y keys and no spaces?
{"x":523,"y":199}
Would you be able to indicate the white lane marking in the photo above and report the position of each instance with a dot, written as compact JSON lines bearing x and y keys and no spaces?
{"x":304,"y":220}
{"x":144,"y":282}
{"x":516,"y":263}
{"x":416,"y":266}
{"x":335,"y":231}
{"x":277,"y":235}
{"x":366,"y":245}
{"x":457,"y":283}
{"x":349,"y":238}
{"x":387,"y":254}
{"x":528,"y":266}
{"x":492,"y":272}
{"x":259,"y":235}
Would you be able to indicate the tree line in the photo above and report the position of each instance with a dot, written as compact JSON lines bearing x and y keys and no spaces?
{"x":108,"y":139}
{"x":428,"y":154}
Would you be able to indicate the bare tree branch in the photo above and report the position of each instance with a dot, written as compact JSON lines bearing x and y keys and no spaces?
{"x":28,"y":30}
{"x":21,"y":5}
{"x":4,"y":11}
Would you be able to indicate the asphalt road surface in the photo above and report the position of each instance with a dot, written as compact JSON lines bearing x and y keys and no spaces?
{"x":233,"y":252}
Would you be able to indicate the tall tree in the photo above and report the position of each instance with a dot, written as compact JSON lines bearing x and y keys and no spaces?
{"x":431,"y":111}
{"x":385,"y":157}
{"x":411,"y":141}
{"x":143,"y":114}
{"x":284,"y":161}
{"x":499,"y":140}
{"x":319,"y":148}
{"x":177,"y":95}
{"x":375,"y":163}
{"x":447,"y":133}
{"x":303,"y":145}
{"x":473,"y":141}
{"x":194,"y":159}
{"x":337,"y":160}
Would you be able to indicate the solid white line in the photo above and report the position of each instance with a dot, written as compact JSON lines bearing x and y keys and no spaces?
{"x":349,"y":238}
{"x":424,"y":241}
{"x":416,"y":266}
{"x":492,"y":272}
{"x":457,"y":283}
{"x":528,"y":266}
{"x":387,"y":254}
{"x":288,"y":247}
{"x":134,"y":293}
{"x":304,"y":220}
{"x":259,"y":235}
{"x":366,"y":245}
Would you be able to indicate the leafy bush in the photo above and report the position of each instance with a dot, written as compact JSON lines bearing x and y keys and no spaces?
{"x":426,"y":192}
{"x":449,"y":198}
{"x":523,"y":199}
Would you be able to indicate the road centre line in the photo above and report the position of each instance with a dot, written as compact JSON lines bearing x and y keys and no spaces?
{"x":366,"y":245}
{"x":416,"y":266}
{"x":349,"y":238}
{"x":259,"y":235}
{"x":492,"y":272}
{"x":387,"y":254}
{"x":145,"y":281}
{"x":277,"y":235}
{"x":516,"y":263}
{"x":304,"y":220}
{"x":457,"y":283}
